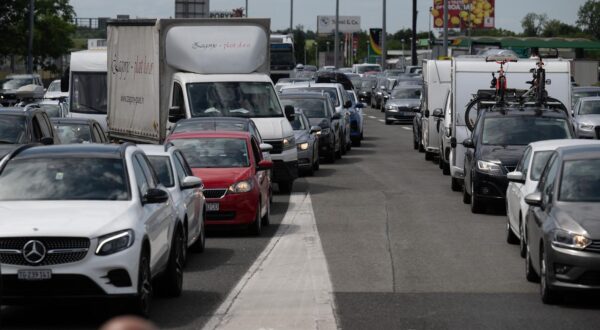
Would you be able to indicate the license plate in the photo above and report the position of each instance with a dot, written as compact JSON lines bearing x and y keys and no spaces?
{"x":34,"y":275}
{"x":407,"y":113}
{"x":212,"y":206}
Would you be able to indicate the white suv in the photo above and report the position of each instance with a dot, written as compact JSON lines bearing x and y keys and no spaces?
{"x":176,"y":175}
{"x":87,"y":221}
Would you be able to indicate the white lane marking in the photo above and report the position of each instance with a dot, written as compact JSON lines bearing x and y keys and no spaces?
{"x":372,"y":117}
{"x":407,"y":128}
{"x":288,"y":286}
{"x":381,"y":120}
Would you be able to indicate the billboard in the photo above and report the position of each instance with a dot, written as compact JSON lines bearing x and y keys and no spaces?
{"x":476,"y":14}
{"x":375,"y":41}
{"x":347,"y":24}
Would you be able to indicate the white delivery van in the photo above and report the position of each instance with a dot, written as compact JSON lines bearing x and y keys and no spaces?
{"x":161,"y":71}
{"x":472,"y":74}
{"x":436,"y":83}
{"x":88,"y":85}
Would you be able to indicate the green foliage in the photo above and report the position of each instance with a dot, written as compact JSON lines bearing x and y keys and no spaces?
{"x":556,"y":28}
{"x":52,"y":29}
{"x":589,"y":17}
{"x":533,"y":24}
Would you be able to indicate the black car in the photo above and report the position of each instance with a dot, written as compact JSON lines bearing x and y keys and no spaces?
{"x":328,"y":77}
{"x":319,"y":110}
{"x":217,"y":124}
{"x":562,"y":233}
{"x":497,"y":143}
{"x":20,"y":126}
{"x":378,"y":93}
{"x":365,"y":89}
{"x":79,"y":130}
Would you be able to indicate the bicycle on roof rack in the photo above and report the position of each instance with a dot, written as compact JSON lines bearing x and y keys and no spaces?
{"x":501,"y":96}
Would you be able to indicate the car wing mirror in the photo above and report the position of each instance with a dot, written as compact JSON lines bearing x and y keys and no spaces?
{"x":191,"y":182}
{"x":534,"y":199}
{"x":47,"y":141}
{"x":336,"y":116}
{"x":516,"y":176}
{"x":265,"y":147}
{"x":155,"y":196}
{"x":265,"y":165}
{"x":468,"y":143}
{"x":315,"y":129}
{"x":438,"y":113}
{"x":290,"y":112}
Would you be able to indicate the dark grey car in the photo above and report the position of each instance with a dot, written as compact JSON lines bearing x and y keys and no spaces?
{"x":404,"y":103}
{"x":563,"y":223}
{"x":307,"y":143}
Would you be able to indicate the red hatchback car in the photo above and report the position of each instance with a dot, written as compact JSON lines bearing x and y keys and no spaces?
{"x":237,"y":186}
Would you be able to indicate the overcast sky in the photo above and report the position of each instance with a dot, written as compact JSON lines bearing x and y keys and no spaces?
{"x":508,"y":12}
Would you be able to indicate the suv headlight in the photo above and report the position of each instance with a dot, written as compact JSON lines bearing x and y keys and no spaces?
{"x":489,"y":166}
{"x":303,"y":146}
{"x":289,"y":142}
{"x":391,"y":108}
{"x":565,"y":239}
{"x":241,"y":187}
{"x":115,"y":242}
{"x":586,"y":127}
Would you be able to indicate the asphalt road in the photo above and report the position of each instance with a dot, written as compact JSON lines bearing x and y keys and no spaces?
{"x":402,"y":249}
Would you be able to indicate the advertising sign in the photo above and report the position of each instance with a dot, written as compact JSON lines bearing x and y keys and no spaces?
{"x":375,"y":40}
{"x":476,"y":14}
{"x":347,"y":24}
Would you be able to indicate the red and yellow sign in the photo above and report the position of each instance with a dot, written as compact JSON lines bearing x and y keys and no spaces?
{"x":476,"y":14}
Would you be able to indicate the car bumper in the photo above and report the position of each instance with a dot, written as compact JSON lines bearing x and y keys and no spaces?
{"x":586,"y":134}
{"x":85,"y":279}
{"x":404,"y":116}
{"x":490,"y":187}
{"x":234,"y":209}
{"x":305,"y":159}
{"x":573,"y":269}
{"x":285,"y":171}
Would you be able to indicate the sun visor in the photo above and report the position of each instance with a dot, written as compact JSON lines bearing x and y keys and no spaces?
{"x":217,"y":50}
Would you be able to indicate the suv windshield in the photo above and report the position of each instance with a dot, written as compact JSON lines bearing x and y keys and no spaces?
{"x":233,"y":99}
{"x":312,"y":108}
{"x":13,"y":129}
{"x":522,"y":130}
{"x":162,"y":167}
{"x":406,"y":93}
{"x":590,"y":108}
{"x":214,"y":152}
{"x":69,"y":178}
{"x":88,"y":92}
{"x":73,"y":133}
{"x":580,"y":181}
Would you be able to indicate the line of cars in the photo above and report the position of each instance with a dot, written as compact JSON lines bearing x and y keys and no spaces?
{"x":521,"y":154}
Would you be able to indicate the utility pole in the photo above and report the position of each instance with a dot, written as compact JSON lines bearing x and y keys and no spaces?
{"x":383,"y":35}
{"x":291,"y":16}
{"x":30,"y":43}
{"x":246,"y":8}
{"x":317,"y":54}
{"x":445,"y":27}
{"x":414,"y":34}
{"x":336,"y":42}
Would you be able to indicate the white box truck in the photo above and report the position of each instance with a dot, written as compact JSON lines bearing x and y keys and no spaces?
{"x":436,"y":83}
{"x":165,"y":70}
{"x":471,"y":74}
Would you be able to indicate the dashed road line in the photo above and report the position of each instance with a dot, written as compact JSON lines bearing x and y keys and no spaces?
{"x":381,"y":120}
{"x":372,"y":117}
{"x":407,"y":128}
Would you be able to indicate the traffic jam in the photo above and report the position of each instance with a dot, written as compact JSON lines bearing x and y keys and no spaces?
{"x":200,"y":136}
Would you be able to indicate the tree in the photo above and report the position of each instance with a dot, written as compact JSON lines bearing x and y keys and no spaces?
{"x":556,"y":28}
{"x":533,"y":24}
{"x":299,"y":43}
{"x":52,"y":29}
{"x":589,"y":17}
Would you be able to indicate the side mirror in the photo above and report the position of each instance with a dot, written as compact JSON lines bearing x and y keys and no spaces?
{"x":265,"y":147}
{"x":191,"y":182}
{"x":315,"y":129}
{"x":438,"y":113}
{"x":534,"y":199}
{"x":289,"y":112}
{"x":426,"y":113}
{"x":47,"y":141}
{"x":265,"y":165}
{"x":347,"y":104}
{"x":516,"y":177}
{"x":453,"y":142}
{"x":175,"y":114}
{"x":360,"y":105}
{"x":155,"y":196}
{"x":468,"y":143}
{"x":336,"y":116}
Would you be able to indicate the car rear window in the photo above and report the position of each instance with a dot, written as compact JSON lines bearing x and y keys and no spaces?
{"x":312,"y":108}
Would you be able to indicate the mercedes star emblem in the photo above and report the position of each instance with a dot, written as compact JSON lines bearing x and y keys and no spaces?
{"x":34,"y":251}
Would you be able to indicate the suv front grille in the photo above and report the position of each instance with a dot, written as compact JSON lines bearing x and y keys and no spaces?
{"x":214,"y":193}
{"x":59,"y":250}
{"x":277,"y":146}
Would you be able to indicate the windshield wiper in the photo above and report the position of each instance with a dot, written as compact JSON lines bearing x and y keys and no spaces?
{"x":90,"y":108}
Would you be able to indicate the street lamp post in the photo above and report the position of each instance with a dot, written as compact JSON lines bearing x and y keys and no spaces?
{"x":30,"y":43}
{"x":246,"y":8}
{"x":327,"y":56}
{"x":317,"y":54}
{"x":337,"y":33}
{"x":368,"y":51}
{"x":291,"y":16}
{"x":429,"y":27}
{"x":383,"y":37}
{"x":403,"y":57}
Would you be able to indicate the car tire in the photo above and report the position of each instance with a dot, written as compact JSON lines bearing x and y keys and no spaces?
{"x":530,"y":273}
{"x":285,"y":187}
{"x":415,"y":143}
{"x":455,"y":184}
{"x":445,"y":168}
{"x":343,"y":145}
{"x":200,"y":244}
{"x":466,"y":198}
{"x":266,"y":219}
{"x":256,"y":226}
{"x":388,"y":122}
{"x":428,"y":155}
{"x":317,"y":163}
{"x":548,"y":294}
{"x":522,"y":245}
{"x":421,"y":148}
{"x":356,"y":142}
{"x":170,"y":283}
{"x":331,"y":156}
{"x":511,"y":238}
{"x":140,"y":304}
{"x":476,"y":206}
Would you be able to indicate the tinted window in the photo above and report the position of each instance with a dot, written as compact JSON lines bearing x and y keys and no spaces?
{"x":162,"y":167}
{"x":13,"y":130}
{"x":540,"y":159}
{"x":406,"y":93}
{"x":64,"y":179}
{"x":312,"y":108}
{"x":214,"y":152}
{"x":73,"y":133}
{"x":88,"y":92}
{"x":523,"y":130}
{"x":580,"y":181}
